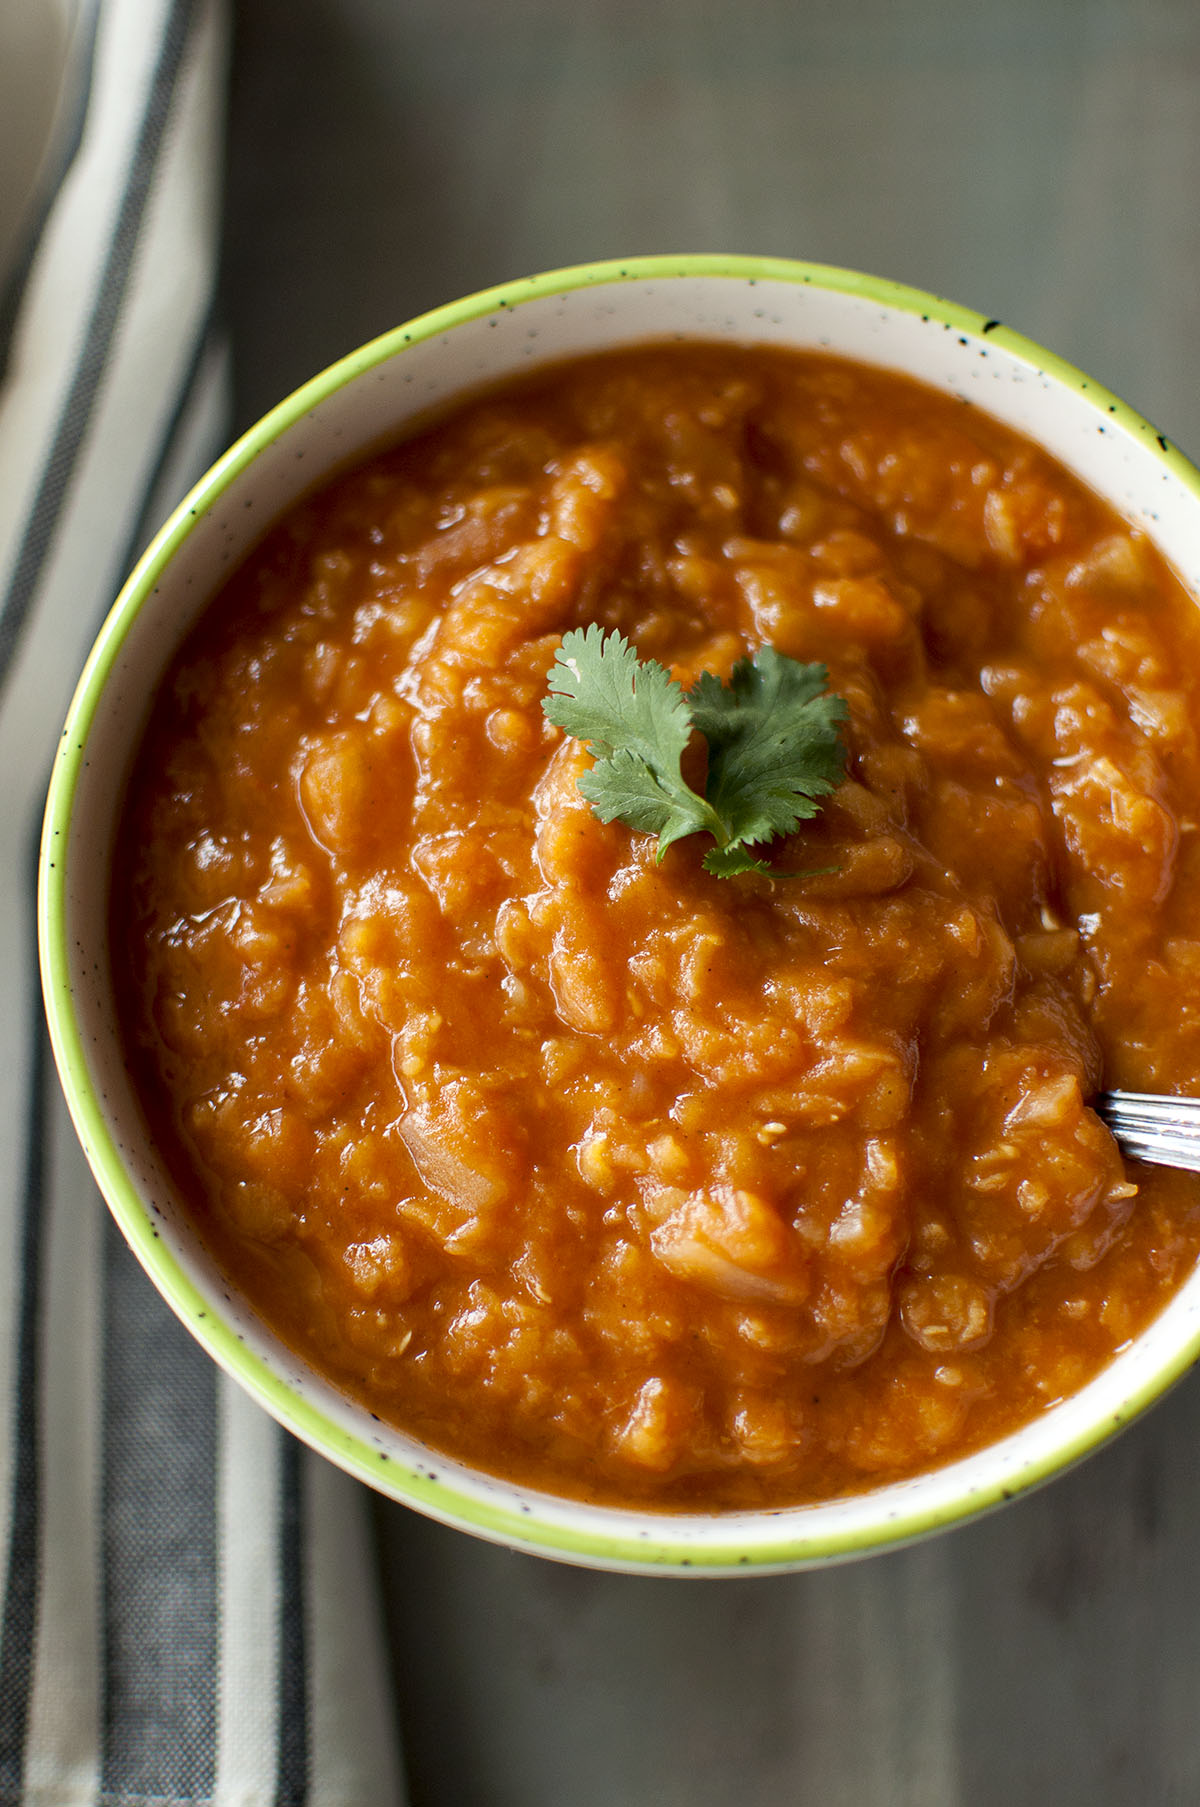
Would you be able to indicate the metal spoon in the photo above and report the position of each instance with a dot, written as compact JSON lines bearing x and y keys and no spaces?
{"x":1149,"y":1126}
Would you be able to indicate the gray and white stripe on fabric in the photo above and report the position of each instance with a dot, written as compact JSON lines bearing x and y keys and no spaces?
{"x":189,"y":1613}
{"x":65,"y":139}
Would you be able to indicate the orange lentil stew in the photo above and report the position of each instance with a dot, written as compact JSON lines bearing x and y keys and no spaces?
{"x":611,"y":1176}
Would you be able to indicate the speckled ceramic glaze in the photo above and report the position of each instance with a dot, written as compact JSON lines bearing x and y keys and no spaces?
{"x":368,"y":399}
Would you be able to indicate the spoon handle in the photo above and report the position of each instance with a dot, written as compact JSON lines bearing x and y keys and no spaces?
{"x":1151,"y":1126}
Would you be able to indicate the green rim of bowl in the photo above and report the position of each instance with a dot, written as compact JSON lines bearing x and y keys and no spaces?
{"x":438,"y":1495}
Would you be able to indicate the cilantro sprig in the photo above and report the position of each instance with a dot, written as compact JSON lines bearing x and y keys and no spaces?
{"x":774,"y":747}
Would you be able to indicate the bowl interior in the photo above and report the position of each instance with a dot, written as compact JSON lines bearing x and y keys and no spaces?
{"x":371,"y":398}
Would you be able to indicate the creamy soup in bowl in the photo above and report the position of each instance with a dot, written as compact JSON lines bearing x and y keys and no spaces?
{"x":611,"y":1204}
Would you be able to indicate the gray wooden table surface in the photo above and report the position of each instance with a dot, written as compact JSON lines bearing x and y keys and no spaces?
{"x":1038,"y":160}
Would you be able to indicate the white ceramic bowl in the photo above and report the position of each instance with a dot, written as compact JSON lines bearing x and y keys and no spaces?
{"x":372,"y":397}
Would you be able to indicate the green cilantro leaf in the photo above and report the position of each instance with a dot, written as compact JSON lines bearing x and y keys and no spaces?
{"x":774,"y":747}
{"x":636,"y":723}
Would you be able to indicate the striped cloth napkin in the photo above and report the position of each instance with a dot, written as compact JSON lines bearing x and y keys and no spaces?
{"x":189,"y":1610}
